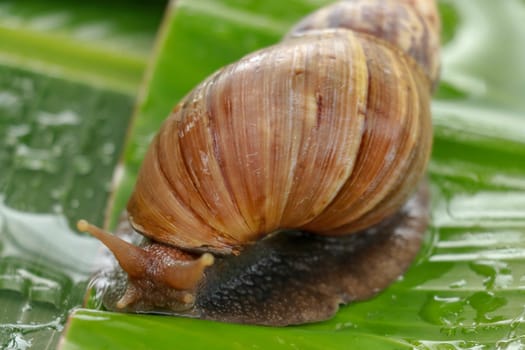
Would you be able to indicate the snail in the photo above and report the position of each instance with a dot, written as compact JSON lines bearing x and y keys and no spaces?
{"x":292,"y":180}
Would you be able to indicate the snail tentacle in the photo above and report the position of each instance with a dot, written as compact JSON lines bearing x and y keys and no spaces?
{"x":186,"y":275}
{"x":156,"y":263}
{"x":131,"y":258}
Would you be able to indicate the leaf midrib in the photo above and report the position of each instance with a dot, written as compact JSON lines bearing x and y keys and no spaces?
{"x":65,"y":57}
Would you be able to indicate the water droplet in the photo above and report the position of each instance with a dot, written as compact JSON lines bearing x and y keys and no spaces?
{"x":66,"y":117}
{"x":9,"y":101}
{"x":57,"y":208}
{"x":57,"y":151}
{"x":106,"y":153}
{"x":445,"y":311}
{"x":93,"y":31}
{"x":35,"y":159}
{"x":27,"y":307}
{"x":108,"y":185}
{"x":16,"y":341}
{"x":485,"y":303}
{"x":55,"y":242}
{"x":82,"y":165}
{"x":75,"y":203}
{"x":511,"y":344}
{"x":498,"y":273}
{"x":26,"y":85}
{"x":89,"y":193}
{"x":49,"y":21}
{"x":57,"y":193}
{"x":458,"y":284}
{"x":14,"y":132}
{"x":108,"y":148}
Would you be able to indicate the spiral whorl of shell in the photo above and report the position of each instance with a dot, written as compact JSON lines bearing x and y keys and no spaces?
{"x":328,"y":131}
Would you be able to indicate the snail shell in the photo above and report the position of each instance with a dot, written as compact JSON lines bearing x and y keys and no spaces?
{"x":327,"y":132}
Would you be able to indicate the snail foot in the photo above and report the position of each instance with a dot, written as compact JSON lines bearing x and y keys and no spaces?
{"x":291,"y":277}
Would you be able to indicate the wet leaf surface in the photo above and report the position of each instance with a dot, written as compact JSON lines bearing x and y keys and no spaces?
{"x":466,"y":289}
{"x":63,"y":120}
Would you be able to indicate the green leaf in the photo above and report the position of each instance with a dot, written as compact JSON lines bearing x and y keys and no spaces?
{"x":120,"y":331}
{"x":68,"y":80}
{"x":79,"y":42}
{"x":466,"y":289}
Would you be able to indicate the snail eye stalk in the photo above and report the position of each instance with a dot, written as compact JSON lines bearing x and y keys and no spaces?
{"x":131,"y":258}
{"x":159,"y":263}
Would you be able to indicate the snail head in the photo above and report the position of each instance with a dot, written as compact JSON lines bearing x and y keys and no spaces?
{"x":156,"y":265}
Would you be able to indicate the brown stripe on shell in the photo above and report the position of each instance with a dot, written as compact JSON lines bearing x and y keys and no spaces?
{"x":389,"y":138}
{"x":328,"y":151}
{"x":201,"y":176}
{"x":156,"y":212}
{"x":402,"y":134}
{"x":414,"y":151}
{"x":283,"y":133}
{"x":419,"y":160}
{"x":265,"y":129}
{"x":217,"y":155}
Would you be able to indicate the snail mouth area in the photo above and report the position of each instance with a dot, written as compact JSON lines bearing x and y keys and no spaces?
{"x":291,"y":277}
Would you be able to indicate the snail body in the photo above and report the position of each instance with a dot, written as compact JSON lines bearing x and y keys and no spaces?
{"x":327,"y":132}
